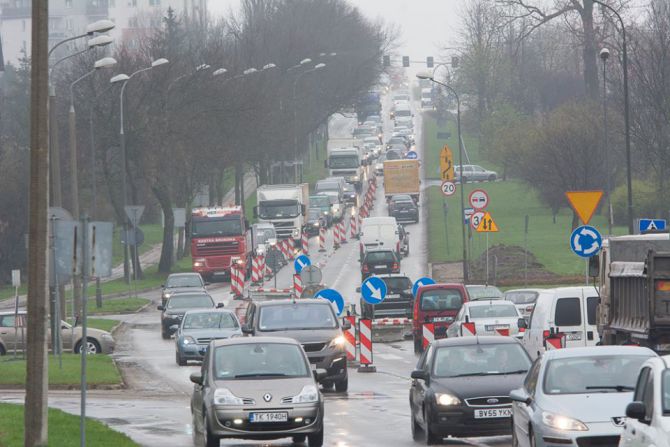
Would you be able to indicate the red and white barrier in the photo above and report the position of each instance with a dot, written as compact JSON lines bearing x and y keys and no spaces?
{"x":257,"y":269}
{"x":322,"y":239}
{"x":428,"y":334}
{"x":468,"y":329}
{"x":343,"y":232}
{"x":297,"y":285}
{"x":288,"y":249}
{"x":336,"y":236}
{"x":305,"y":243}
{"x":236,"y":280}
{"x":350,"y":339}
{"x":365,"y":334}
{"x":556,"y":341}
{"x":503,"y":332}
{"x":352,"y":227}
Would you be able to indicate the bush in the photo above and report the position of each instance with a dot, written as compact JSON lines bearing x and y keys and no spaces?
{"x":647,"y":202}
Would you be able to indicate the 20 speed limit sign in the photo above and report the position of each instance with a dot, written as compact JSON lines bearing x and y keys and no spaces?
{"x":476,"y":219}
{"x":448,"y":188}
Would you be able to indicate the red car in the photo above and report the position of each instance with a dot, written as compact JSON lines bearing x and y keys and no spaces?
{"x":437,"y":304}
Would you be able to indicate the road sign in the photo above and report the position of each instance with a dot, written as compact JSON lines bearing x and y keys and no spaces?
{"x":446,"y":164}
{"x":487,"y":225}
{"x":443,"y":135}
{"x":420,"y":283}
{"x":16,"y":278}
{"x":448,"y":188}
{"x":333,"y":296}
{"x":134,"y":212}
{"x":300,"y":263}
{"x":373,"y":290}
{"x":652,"y":225}
{"x":135,"y":236}
{"x":586,"y":241}
{"x":411,"y":155}
{"x":476,"y":219}
{"x":310,"y":275}
{"x":467,"y":213}
{"x":478,"y":199}
{"x":584,"y":203}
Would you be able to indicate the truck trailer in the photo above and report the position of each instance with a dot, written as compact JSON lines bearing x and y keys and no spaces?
{"x":402,"y":177}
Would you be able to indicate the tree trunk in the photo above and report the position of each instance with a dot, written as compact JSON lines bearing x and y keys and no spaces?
{"x":589,"y":51}
{"x":167,"y":251}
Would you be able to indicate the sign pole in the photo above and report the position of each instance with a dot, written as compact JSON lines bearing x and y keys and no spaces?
{"x":525,"y":253}
{"x":446,"y":228}
{"x":487,"y":258}
{"x":16,"y":318}
{"x":84,"y":325}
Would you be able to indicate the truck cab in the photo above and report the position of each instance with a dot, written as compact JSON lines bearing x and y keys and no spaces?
{"x":283,"y":206}
{"x":346,"y":162}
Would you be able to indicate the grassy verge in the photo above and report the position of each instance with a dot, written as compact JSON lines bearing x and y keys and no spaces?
{"x":314,"y":170}
{"x":63,"y":429}
{"x":112,"y":306}
{"x":153,"y":234}
{"x":104,"y":324}
{"x":100,"y":370}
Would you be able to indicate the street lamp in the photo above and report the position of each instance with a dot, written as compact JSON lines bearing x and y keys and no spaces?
{"x":604,"y":55}
{"x":460,"y":162}
{"x":295,"y":114}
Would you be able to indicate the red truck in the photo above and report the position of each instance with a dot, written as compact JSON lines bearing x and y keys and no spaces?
{"x":219,"y":238}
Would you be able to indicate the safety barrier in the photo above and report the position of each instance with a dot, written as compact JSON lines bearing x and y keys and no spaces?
{"x":257,"y":269}
{"x":365,"y":335}
{"x":322,"y":239}
{"x":305,"y":243}
{"x":297,"y":285}
{"x":391,"y":321}
{"x":350,"y":338}
{"x":554,"y":341}
{"x":342,"y":232}
{"x":468,"y":329}
{"x":428,"y":334}
{"x":236,"y":280}
{"x":352,"y":226}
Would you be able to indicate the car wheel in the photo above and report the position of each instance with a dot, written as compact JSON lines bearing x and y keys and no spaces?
{"x":431,"y":438}
{"x":341,"y":386}
{"x":417,"y":433}
{"x":418,"y":345}
{"x":164,"y":334}
{"x":92,"y":346}
{"x":180,"y":360}
{"x":299,"y":439}
{"x":210,"y":439}
{"x":316,"y":439}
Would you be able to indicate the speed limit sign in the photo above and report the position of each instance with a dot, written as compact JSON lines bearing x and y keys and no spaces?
{"x":448,"y":188}
{"x":476,"y":219}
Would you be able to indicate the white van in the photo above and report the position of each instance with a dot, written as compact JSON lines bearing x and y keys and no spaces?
{"x":566,"y":310}
{"x":379,"y":232}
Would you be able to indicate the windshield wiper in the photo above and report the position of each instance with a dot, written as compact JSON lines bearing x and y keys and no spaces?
{"x":243,"y":376}
{"x":618,"y":388}
{"x":502,"y":373}
{"x":471,"y":374}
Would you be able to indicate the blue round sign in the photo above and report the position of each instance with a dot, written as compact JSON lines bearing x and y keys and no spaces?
{"x":333,"y":296}
{"x":411,"y":155}
{"x":586,"y":241}
{"x":300,"y":263}
{"x":373,"y":290}
{"x":420,"y":283}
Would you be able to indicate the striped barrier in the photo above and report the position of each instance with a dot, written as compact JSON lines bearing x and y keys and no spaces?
{"x":336,"y":236}
{"x":297,"y":285}
{"x":468,"y":329}
{"x":428,"y":334}
{"x":257,"y":269}
{"x":391,"y":321}
{"x":352,"y":226}
{"x":503,"y":332}
{"x":236,"y":280}
{"x":322,"y":239}
{"x":343,"y":232}
{"x":350,"y":339}
{"x":305,"y":243}
{"x":283,"y":248}
{"x":554,"y":341}
{"x":365,"y":335}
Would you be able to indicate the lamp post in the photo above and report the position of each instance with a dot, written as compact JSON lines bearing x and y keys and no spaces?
{"x":604,"y":55}
{"x":295,"y":114}
{"x":626,"y":113}
{"x":460,"y":162}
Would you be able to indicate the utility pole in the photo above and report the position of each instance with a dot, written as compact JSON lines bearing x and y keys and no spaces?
{"x":35,"y":419}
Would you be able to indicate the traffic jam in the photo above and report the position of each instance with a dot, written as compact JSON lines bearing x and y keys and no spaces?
{"x":331,"y":332}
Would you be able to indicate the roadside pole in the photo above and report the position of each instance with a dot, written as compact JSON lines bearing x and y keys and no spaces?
{"x":84,"y":325}
{"x":525,"y":252}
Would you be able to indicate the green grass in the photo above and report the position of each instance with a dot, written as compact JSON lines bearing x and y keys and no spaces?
{"x":104,"y":324}
{"x":7,"y":292}
{"x":112,"y":306}
{"x":249,"y":204}
{"x":63,"y":429}
{"x":100,"y":370}
{"x":153,"y":234}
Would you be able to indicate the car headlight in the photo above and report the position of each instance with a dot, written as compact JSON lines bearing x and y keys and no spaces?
{"x":326,"y":212}
{"x":446,"y":399}
{"x":223,"y":396}
{"x":308,"y":394}
{"x":188,"y":340}
{"x":167,"y":295}
{"x":317,"y":224}
{"x":337,"y":342}
{"x":355,"y":178}
{"x":560,"y":422}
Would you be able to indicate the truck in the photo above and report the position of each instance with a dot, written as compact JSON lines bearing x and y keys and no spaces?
{"x":346,"y":162}
{"x":402,"y":177}
{"x":284,"y":206}
{"x":634,"y":273}
{"x":219,"y":238}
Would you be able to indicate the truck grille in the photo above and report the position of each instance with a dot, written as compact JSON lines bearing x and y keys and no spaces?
{"x":217,"y":248}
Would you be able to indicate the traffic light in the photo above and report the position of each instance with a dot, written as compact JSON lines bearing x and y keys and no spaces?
{"x":430,"y":62}
{"x":387,"y":61}
{"x":405,"y":61}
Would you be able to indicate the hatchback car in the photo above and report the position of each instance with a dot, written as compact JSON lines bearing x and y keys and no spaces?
{"x":378,"y":261}
{"x":576,"y":396}
{"x":403,"y":208}
{"x":198,"y":328}
{"x":182,"y":282}
{"x":172,"y":312}
{"x":488,"y":317}
{"x":256,"y":388}
{"x":523,"y":299}
{"x":461,"y":387}
{"x":315,"y":221}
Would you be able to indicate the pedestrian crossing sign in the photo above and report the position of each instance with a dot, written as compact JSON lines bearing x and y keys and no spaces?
{"x":487,"y":224}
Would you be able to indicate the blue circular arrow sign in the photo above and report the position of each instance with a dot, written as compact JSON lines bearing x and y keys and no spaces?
{"x":373,"y":290}
{"x":300,"y":263}
{"x":411,"y":155}
{"x":333,"y":296}
{"x":586,"y":241}
{"x":420,"y":283}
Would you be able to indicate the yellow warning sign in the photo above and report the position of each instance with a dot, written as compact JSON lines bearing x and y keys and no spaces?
{"x":584,"y":203}
{"x":446,"y":164}
{"x":487,"y":224}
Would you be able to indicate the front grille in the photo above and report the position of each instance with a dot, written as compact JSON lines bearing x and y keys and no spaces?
{"x":283,"y":224}
{"x":217,"y":248}
{"x":313,"y":347}
{"x":484,"y":401}
{"x":598,"y":441}
{"x":205,"y":341}
{"x":248,"y":401}
{"x":287,"y":400}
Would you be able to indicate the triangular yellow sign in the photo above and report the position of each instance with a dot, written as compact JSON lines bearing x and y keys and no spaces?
{"x":584,"y":203}
{"x":487,"y":224}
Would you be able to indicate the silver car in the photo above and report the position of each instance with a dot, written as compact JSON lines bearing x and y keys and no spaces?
{"x":523,"y":299}
{"x":256,"y":388}
{"x":576,"y":396}
{"x":474,"y":173}
{"x":493,"y":317}
{"x":198,"y":328}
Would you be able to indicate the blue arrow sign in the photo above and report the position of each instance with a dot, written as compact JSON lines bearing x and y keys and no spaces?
{"x":586,"y":241}
{"x":420,"y":283}
{"x":373,"y":290}
{"x":411,"y":155}
{"x":652,"y":225}
{"x":300,"y":263}
{"x":333,"y":296}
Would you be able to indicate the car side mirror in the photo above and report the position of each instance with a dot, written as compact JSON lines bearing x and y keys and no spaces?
{"x":346,"y":325}
{"x":636,"y":410}
{"x":420,"y":374}
{"x":320,"y":374}
{"x":522,"y":324}
{"x":196,"y":378}
{"x":219,"y":305}
{"x":247,"y":329}
{"x":519,"y":395}
{"x":174,"y":327}
{"x":160,"y":307}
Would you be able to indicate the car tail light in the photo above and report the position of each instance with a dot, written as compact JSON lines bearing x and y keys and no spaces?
{"x":522,"y":329}
{"x":529,"y":308}
{"x":395,"y":266}
{"x":545,"y":334}
{"x":365,"y":268}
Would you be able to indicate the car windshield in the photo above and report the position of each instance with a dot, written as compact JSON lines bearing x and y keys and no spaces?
{"x":393,"y":155}
{"x":483,"y":292}
{"x":380,"y":256}
{"x":593,"y":374}
{"x":665,"y":381}
{"x":190,"y":302}
{"x":294,"y":316}
{"x":211,"y":226}
{"x":397,"y":283}
{"x":494,"y":311}
{"x":480,"y":359}
{"x":521,"y":297}
{"x":314,"y":213}
{"x":348,"y":187}
{"x":272,"y":210}
{"x":441,"y":299}
{"x":343,"y":162}
{"x":327,"y":186}
{"x":210,"y":320}
{"x":259,"y":360}
{"x":184,"y":281}
{"x":319,"y":201}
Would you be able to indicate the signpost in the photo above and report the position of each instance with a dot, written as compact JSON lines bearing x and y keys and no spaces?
{"x":333,"y":296}
{"x":373,"y":290}
{"x":647,"y":225}
{"x":311,"y":275}
{"x":446,"y":164}
{"x":586,"y":241}
{"x":411,"y":155}
{"x":476,"y":219}
{"x":478,"y":199}
{"x":487,"y":225}
{"x":448,"y":188}
{"x":467,"y":213}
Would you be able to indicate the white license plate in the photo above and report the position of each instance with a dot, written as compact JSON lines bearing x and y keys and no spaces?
{"x":493,"y":413}
{"x":574,"y":337}
{"x":380,"y":267}
{"x":268,"y":417}
{"x":442,"y":319}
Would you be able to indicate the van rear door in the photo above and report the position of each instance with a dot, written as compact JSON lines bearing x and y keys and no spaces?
{"x":569,"y":318}
{"x":591,"y":299}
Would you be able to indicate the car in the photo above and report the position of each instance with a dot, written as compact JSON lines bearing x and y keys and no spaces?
{"x":483,"y":292}
{"x":576,"y":396}
{"x":437,"y":304}
{"x":315,"y":221}
{"x":363,"y":132}
{"x":405,"y":132}
{"x":461,"y":387}
{"x":489,"y":317}
{"x":98,"y":341}
{"x":397,"y":141}
{"x":378,"y":261}
{"x":198,"y":328}
{"x":324,"y":204}
{"x":350,"y":195}
{"x":403,"y":234}
{"x":474,"y":173}
{"x":256,"y":388}
{"x":172,"y":312}
{"x":378,"y":232}
{"x":180,"y":282}
{"x":523,"y":299}
{"x":403,"y":208}
{"x":648,"y":415}
{"x":379,"y":165}
{"x":395,"y":153}
{"x":398,"y":302}
{"x":314,"y":324}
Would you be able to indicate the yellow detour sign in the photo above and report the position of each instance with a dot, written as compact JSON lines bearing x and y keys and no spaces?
{"x":487,"y":224}
{"x":446,"y":164}
{"x":584,"y":203}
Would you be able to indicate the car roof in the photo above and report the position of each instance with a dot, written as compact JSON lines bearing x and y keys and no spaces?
{"x":379,"y":249}
{"x":523,"y":290}
{"x":172,"y":275}
{"x":190,"y":292}
{"x":254,"y":340}
{"x":446,"y":285}
{"x":488,"y":302}
{"x":595,"y":351}
{"x":477,"y":339}
{"x":283,"y":302}
{"x":392,"y":275}
{"x":211,"y":311}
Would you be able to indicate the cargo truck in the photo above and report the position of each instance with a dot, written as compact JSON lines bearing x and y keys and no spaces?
{"x":284,"y":206}
{"x":346,"y":162}
{"x":402,"y":177}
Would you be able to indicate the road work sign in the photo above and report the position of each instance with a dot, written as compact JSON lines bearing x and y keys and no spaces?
{"x":446,"y":164}
{"x":487,"y":225}
{"x":300,"y":263}
{"x":479,"y":199}
{"x":584,"y":203}
{"x":586,"y":241}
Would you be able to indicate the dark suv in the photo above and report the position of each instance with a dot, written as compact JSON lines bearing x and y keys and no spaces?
{"x":399,"y":301}
{"x":313,"y":323}
{"x":172,"y":312}
{"x":403,"y":208}
{"x":379,"y":261}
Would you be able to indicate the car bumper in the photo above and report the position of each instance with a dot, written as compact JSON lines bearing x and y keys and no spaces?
{"x":598,"y":434}
{"x":192,"y":351}
{"x":405,"y":217}
{"x":333,"y":361}
{"x":460,"y":421}
{"x":107,"y":345}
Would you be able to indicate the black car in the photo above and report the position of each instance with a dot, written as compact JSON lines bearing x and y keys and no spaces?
{"x":399,"y":301}
{"x":404,"y":210}
{"x":350,"y":195}
{"x":172,"y":312}
{"x":315,"y":221}
{"x":378,"y":261}
{"x":461,"y":387}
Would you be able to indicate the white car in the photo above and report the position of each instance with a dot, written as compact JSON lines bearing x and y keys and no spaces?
{"x":648,"y":422}
{"x":490,"y":317}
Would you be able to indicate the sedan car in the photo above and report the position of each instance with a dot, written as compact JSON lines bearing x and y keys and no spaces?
{"x":350,"y":195}
{"x":461,"y":387}
{"x":198,"y":328}
{"x":523,"y":299}
{"x":576,"y":396}
{"x":482,"y":292}
{"x":256,"y":388}
{"x":182,"y":282}
{"x":378,"y":261}
{"x":379,"y":165}
{"x":177,"y":305}
{"x":489,"y":318}
{"x":474,"y":173}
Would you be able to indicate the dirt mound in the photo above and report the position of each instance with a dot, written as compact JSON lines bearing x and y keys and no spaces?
{"x":506,"y":266}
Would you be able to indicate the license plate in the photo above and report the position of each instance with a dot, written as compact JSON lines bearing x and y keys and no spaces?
{"x":442,"y":319}
{"x":380,"y":267}
{"x":493,"y":327}
{"x":490,"y":413}
{"x":574,"y":337}
{"x":268,"y":417}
